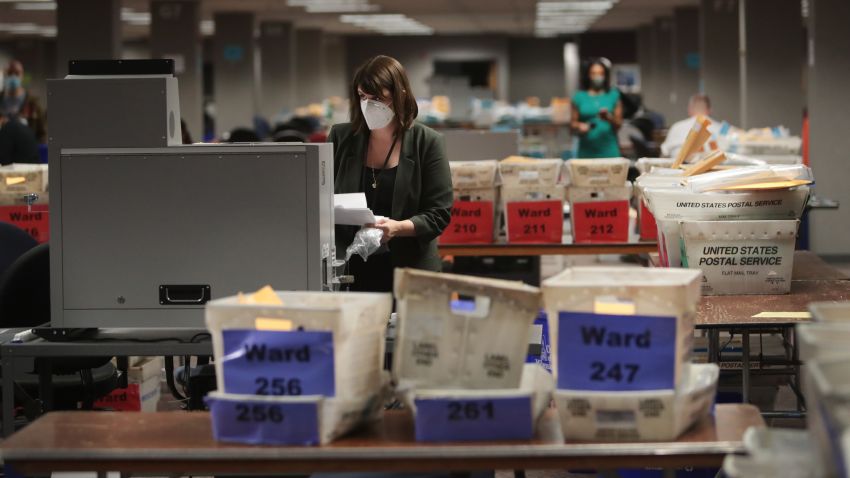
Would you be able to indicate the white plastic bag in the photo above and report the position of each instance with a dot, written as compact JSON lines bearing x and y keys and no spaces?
{"x":366,"y":242}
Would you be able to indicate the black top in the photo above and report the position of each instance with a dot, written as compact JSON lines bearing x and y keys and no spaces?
{"x":380,"y":199}
{"x":163,"y":66}
{"x":17,"y":143}
{"x":423,"y":193}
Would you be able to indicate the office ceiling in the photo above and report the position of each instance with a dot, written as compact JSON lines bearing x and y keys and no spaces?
{"x":446,"y":17}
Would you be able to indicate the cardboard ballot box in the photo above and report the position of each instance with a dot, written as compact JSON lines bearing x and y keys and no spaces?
{"x":518,"y":172}
{"x":673,"y":205}
{"x":653,"y":415}
{"x":741,"y":257}
{"x":534,"y":214}
{"x":621,"y":328}
{"x":315,"y":343}
{"x":459,"y":331}
{"x":600,"y":214}
{"x":597,"y":172}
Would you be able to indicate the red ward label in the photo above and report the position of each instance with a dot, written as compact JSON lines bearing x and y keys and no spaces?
{"x":34,"y":220}
{"x":472,"y":223}
{"x":604,"y":221}
{"x":648,"y":228}
{"x":122,"y":400}
{"x":535,"y":222}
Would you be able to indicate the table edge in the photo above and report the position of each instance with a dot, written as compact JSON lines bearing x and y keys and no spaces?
{"x":439,"y":452}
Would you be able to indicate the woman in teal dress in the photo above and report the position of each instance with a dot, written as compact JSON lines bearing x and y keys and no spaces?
{"x":597,"y":113}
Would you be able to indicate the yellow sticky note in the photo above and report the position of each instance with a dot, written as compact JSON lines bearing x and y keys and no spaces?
{"x":783,"y":315}
{"x":613,"y":307}
{"x":12,"y":180}
{"x":279,"y":325}
{"x":266,"y":296}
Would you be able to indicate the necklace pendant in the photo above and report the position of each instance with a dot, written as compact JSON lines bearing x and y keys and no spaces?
{"x":374,"y":185}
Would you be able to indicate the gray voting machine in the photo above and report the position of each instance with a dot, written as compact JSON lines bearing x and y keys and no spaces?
{"x":145,"y":231}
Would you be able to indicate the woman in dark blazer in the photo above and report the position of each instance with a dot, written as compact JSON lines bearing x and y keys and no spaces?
{"x":402,"y":168}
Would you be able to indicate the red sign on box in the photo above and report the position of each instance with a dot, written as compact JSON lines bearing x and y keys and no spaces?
{"x":535,"y":222}
{"x":604,"y":221}
{"x":122,"y":399}
{"x":648,"y":227}
{"x":34,"y":220}
{"x":472,"y":223}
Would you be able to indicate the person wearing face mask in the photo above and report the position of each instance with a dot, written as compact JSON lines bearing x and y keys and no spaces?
{"x":402,"y":168}
{"x":16,"y":104}
{"x":597,"y":113}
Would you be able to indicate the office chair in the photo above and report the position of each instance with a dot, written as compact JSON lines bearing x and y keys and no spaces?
{"x":644,"y":148}
{"x":289,"y":136}
{"x":14,"y":241}
{"x":645,"y":125}
{"x":243,"y":135}
{"x":25,"y":302}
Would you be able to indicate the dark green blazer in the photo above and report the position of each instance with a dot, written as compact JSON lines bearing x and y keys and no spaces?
{"x":423,"y":190}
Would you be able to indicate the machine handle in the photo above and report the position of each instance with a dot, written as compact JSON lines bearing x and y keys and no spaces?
{"x":184,"y":294}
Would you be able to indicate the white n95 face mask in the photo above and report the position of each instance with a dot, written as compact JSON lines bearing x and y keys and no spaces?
{"x":376,"y":114}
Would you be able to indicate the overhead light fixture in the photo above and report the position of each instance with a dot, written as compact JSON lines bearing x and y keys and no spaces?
{"x":334,"y":6}
{"x":19,"y":27}
{"x":568,"y":16}
{"x":207,"y":27}
{"x":388,"y":24}
{"x":28,"y":28}
{"x":135,"y":18}
{"x":590,"y":5}
{"x":36,"y":6}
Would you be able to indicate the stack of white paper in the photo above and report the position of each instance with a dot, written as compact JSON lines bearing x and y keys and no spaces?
{"x":351,"y":210}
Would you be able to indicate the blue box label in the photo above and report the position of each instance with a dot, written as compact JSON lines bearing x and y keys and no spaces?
{"x":616,"y":352}
{"x":539,"y":353}
{"x":264,"y":362}
{"x":478,"y":419}
{"x":265,"y":423}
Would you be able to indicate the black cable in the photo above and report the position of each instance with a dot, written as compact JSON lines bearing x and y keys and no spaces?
{"x":169,"y":378}
{"x":202,"y":334}
{"x":187,"y":374}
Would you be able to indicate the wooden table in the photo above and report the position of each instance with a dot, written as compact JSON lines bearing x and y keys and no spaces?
{"x":546,"y":249}
{"x":737,"y":311}
{"x":181,"y":442}
{"x":740,"y":314}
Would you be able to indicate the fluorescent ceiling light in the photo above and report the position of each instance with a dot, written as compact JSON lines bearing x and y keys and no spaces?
{"x":33,"y":6}
{"x":341,"y":8}
{"x":135,"y":18}
{"x":27,"y":28}
{"x":594,"y":6}
{"x":334,"y":6}
{"x":388,"y":24}
{"x":568,"y":16}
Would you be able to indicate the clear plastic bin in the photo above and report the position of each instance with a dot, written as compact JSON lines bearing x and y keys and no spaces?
{"x":642,"y":291}
{"x":358,"y":322}
{"x":655,"y":415}
{"x":460,"y":331}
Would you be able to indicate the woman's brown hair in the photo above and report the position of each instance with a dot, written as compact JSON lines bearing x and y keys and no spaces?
{"x":379,"y":73}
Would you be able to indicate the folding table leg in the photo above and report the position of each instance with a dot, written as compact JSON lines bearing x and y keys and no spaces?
{"x":745,"y":369}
